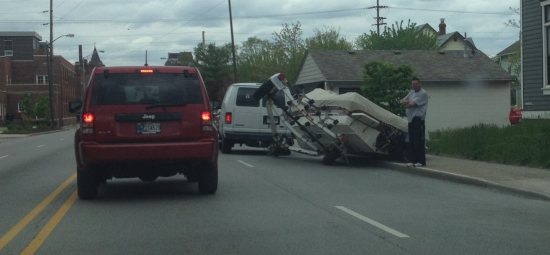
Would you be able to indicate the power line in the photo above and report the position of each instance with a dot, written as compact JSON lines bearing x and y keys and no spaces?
{"x":452,"y":11}
{"x":69,"y":21}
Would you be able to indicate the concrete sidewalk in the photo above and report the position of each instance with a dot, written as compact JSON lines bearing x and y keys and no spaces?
{"x":527,"y":181}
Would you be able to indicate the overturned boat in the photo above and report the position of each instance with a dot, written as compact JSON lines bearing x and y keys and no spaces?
{"x":334,"y":125}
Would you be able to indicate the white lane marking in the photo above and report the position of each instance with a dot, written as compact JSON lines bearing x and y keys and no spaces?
{"x":244,"y":163}
{"x":5,"y":156}
{"x":62,"y":139}
{"x":373,"y":222}
{"x":40,"y":146}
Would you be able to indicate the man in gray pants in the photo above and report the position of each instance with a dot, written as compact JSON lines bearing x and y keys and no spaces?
{"x":416,"y":105}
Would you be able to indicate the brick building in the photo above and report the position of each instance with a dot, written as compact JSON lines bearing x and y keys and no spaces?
{"x":24,"y":70}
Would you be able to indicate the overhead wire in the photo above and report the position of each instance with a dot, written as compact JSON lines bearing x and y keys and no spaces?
{"x":201,"y":16}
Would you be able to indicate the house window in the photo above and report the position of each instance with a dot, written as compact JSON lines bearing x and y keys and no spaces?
{"x":41,"y":79}
{"x":8,"y":48}
{"x":19,"y":107}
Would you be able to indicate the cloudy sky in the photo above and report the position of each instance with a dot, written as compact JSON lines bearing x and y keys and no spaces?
{"x":123,"y":30}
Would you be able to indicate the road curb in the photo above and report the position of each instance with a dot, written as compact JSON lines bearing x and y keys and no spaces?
{"x":464,"y":179}
{"x":10,"y":136}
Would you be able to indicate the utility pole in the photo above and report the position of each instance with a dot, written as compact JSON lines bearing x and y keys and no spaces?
{"x":232,"y":44}
{"x":82,"y":72}
{"x":379,"y":20}
{"x":50,"y":68}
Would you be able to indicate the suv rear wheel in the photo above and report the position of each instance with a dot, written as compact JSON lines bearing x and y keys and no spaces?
{"x":208,"y":178}
{"x":86,"y":183}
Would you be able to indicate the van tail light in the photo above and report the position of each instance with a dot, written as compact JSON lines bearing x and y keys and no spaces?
{"x":88,"y":123}
{"x":228,"y":118}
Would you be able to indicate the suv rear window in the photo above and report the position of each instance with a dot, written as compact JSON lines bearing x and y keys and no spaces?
{"x":135,"y":88}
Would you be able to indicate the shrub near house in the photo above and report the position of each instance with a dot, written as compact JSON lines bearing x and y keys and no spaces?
{"x":35,"y":116}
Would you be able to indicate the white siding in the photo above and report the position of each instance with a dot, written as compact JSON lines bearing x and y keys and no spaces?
{"x":453,"y":45}
{"x":457,"y":105}
{"x":310,"y":72}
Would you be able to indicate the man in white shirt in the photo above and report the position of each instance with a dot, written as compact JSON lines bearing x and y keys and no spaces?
{"x":416,"y":105}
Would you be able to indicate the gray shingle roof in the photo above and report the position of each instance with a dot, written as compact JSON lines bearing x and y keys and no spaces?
{"x":428,"y":65}
{"x":510,"y":49}
{"x":442,"y":39}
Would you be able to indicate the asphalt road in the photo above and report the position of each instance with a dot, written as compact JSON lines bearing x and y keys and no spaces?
{"x":264,"y":205}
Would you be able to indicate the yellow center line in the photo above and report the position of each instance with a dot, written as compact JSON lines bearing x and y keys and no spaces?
{"x":49,"y":227}
{"x":14,"y":231}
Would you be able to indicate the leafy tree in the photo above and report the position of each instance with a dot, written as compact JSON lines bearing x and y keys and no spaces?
{"x":186,"y":58}
{"x":514,"y":22}
{"x":397,"y":37}
{"x":328,"y":39}
{"x":385,"y":84}
{"x":257,"y":60}
{"x":289,"y":49}
{"x":515,"y":58}
{"x":35,"y":108}
{"x":214,"y":64}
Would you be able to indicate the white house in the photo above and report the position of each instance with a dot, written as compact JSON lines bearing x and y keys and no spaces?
{"x":465,"y":87}
{"x":448,"y":41}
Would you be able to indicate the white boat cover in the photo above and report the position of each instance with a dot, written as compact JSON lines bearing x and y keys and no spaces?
{"x":354,"y":102}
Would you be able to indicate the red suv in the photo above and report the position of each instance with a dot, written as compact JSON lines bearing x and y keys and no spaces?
{"x":145,"y":122}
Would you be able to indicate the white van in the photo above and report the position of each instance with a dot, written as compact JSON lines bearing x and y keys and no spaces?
{"x":244,"y":120}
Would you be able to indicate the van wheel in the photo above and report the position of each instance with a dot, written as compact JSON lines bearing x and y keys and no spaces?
{"x":208,"y":178}
{"x":86,"y":183}
{"x":226,"y":146}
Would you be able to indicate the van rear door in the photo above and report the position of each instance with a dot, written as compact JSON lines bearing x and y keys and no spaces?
{"x":247,"y":111}
{"x":278,"y":101}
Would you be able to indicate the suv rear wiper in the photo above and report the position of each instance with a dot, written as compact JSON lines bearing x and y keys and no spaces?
{"x":163,"y":105}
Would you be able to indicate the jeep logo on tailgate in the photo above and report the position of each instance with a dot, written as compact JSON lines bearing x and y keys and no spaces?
{"x":148,"y":117}
{"x":159,"y":116}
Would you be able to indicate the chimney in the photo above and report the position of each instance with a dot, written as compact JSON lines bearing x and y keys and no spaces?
{"x":442,"y":27}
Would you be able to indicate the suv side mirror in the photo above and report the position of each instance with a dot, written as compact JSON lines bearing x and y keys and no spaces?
{"x":75,"y":106}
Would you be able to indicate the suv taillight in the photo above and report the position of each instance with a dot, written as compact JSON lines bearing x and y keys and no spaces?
{"x":206,"y":120}
{"x":228,"y":118}
{"x":88,"y":123}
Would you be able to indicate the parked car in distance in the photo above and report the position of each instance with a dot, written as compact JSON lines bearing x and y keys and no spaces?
{"x":145,"y":122}
{"x":245,"y":120}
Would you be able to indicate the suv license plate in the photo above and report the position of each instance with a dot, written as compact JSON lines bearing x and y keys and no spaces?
{"x":148,"y":128}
